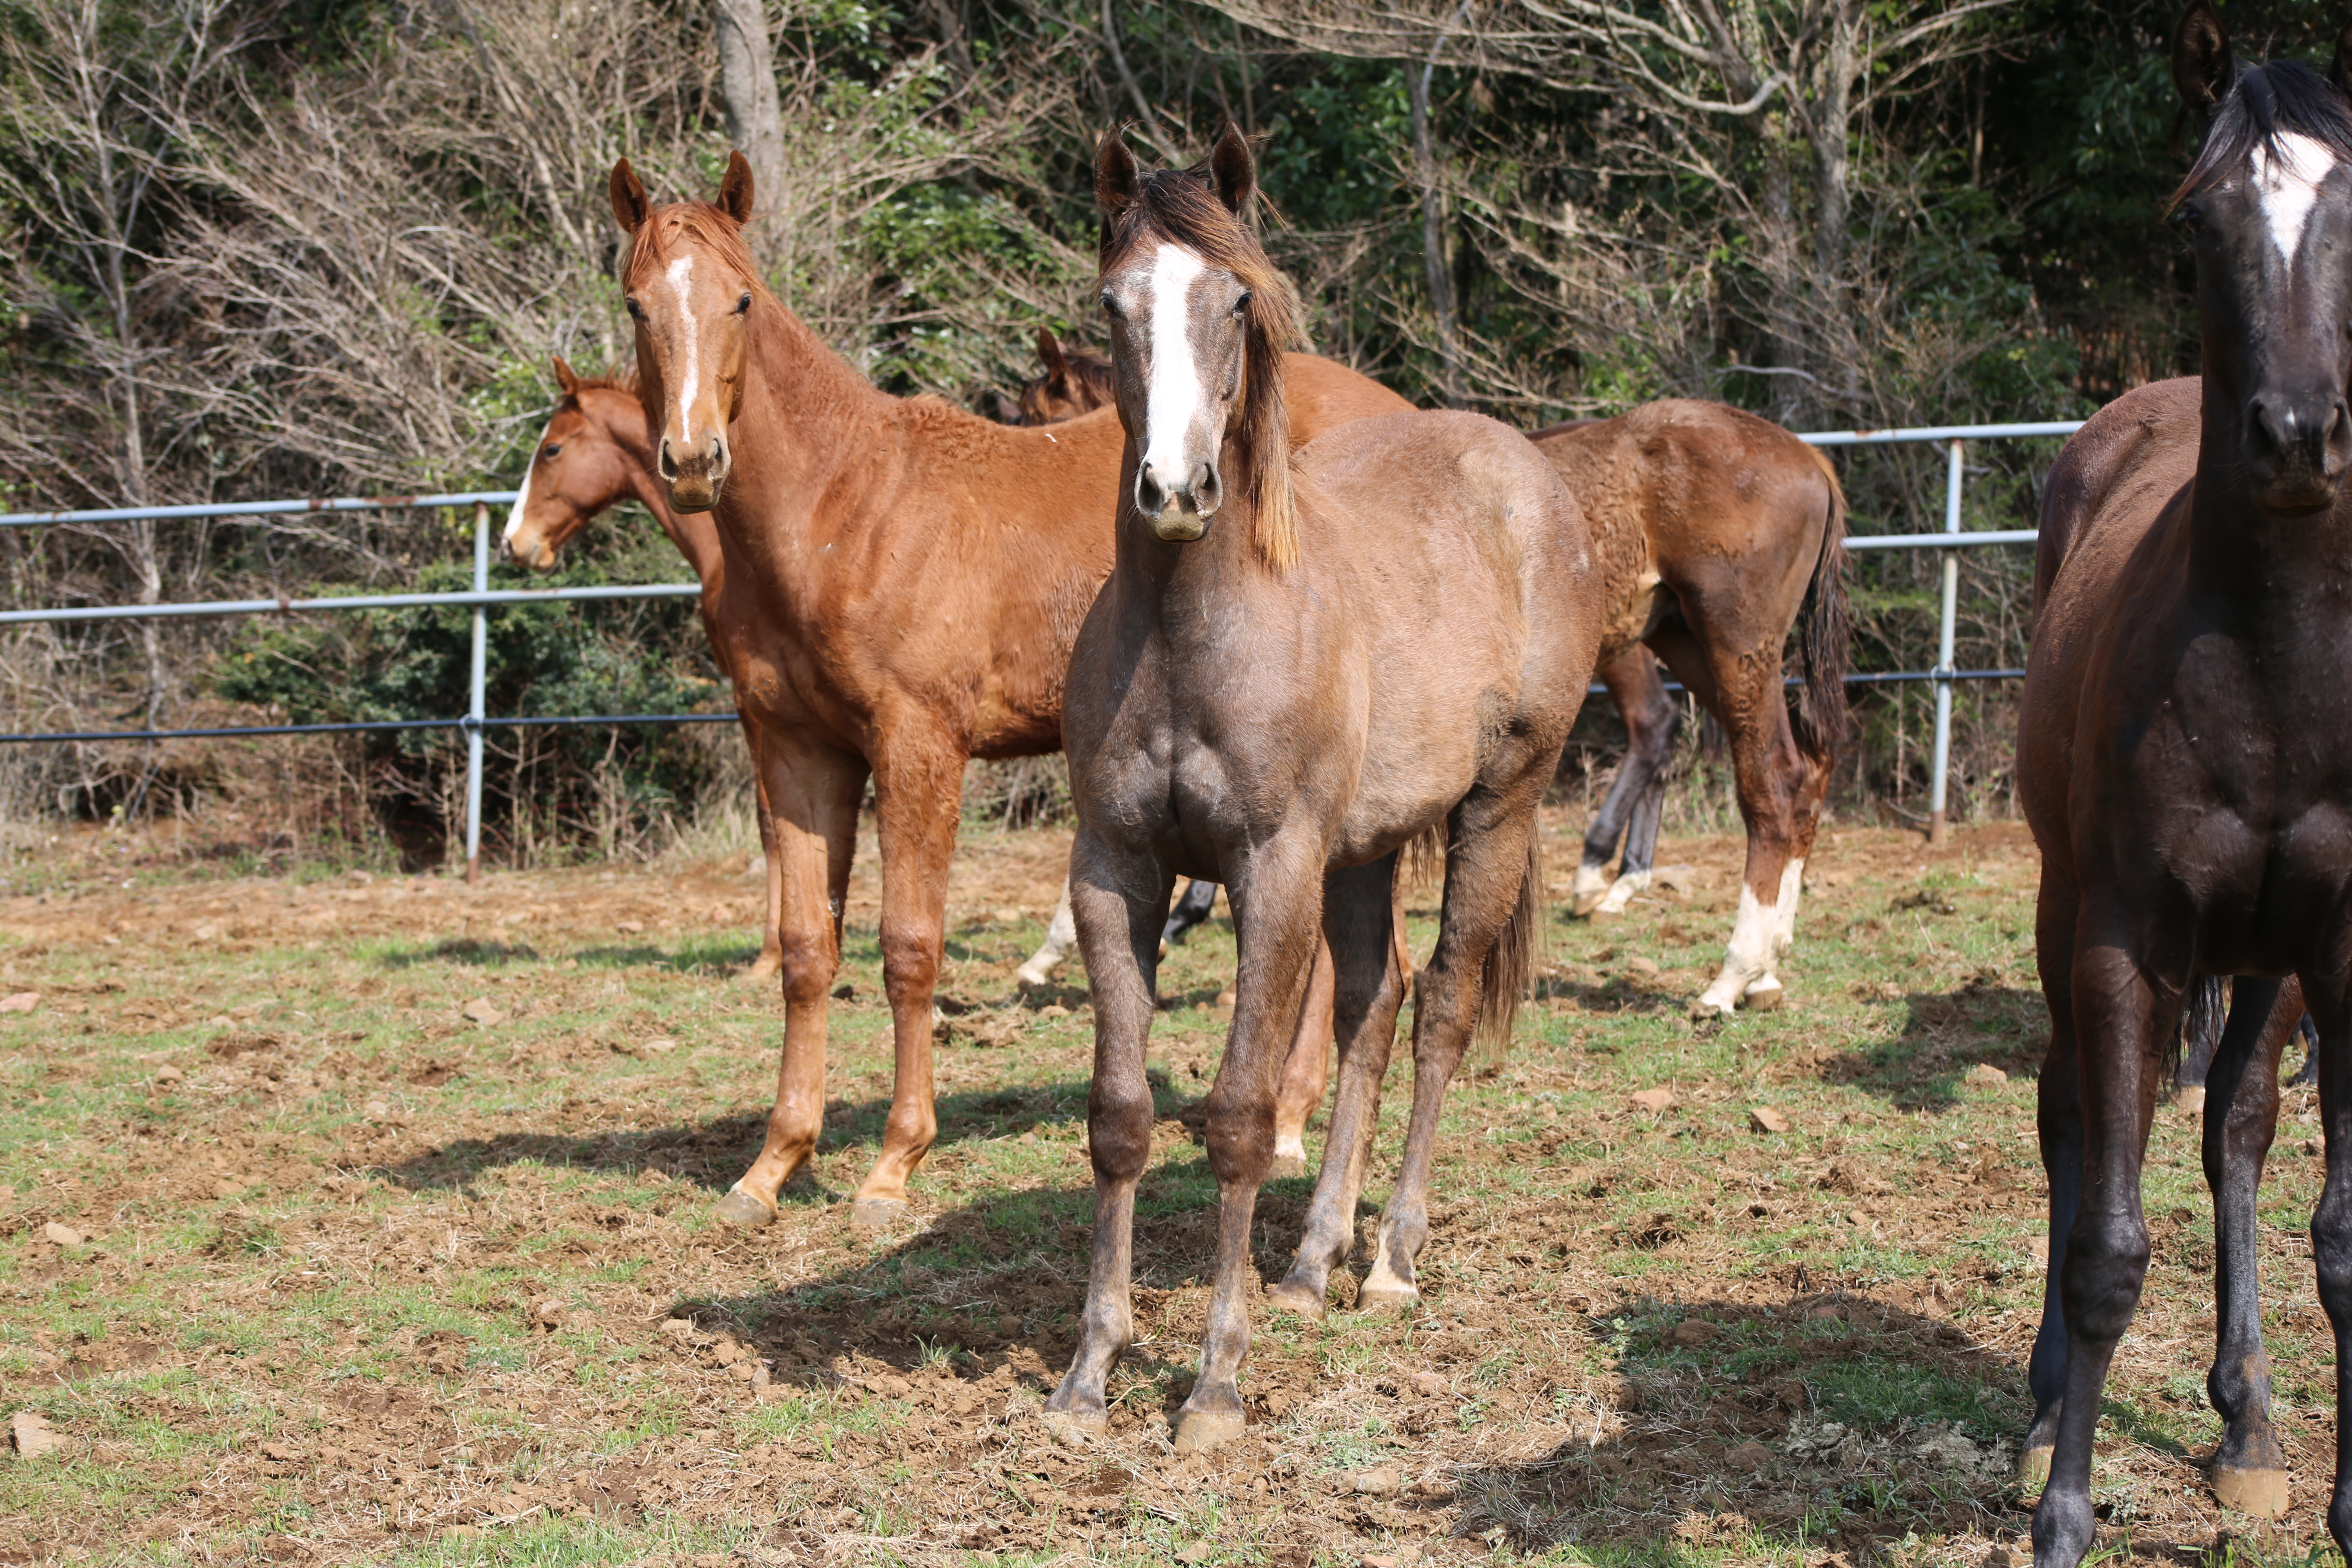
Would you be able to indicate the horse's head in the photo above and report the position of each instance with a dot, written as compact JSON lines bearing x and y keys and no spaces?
{"x":1075,"y":383}
{"x":2268,"y":208}
{"x":691,"y":286}
{"x":1199,"y":319}
{"x":577,"y":471}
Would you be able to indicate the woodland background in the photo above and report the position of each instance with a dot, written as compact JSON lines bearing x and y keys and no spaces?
{"x":258,"y":249}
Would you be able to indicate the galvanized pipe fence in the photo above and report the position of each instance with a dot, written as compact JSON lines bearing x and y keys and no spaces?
{"x":482,"y":598}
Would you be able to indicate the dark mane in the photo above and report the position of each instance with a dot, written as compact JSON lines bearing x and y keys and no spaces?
{"x":2267,"y":103}
{"x":1091,"y":371}
{"x":1181,"y":208}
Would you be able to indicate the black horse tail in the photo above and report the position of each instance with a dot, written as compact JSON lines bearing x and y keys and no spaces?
{"x":1511,"y":964}
{"x":2204,"y":1011}
{"x":1820,"y":721}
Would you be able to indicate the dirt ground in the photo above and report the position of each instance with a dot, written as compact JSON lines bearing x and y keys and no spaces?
{"x":367,"y":1219}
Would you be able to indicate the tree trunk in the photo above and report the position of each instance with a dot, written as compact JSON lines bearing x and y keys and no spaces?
{"x":747,"y":84}
{"x":1433,"y":229}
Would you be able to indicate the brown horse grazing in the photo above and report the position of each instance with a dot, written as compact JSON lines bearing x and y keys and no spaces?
{"x":2185,"y":766}
{"x":1299,"y":667}
{"x":1717,"y":533}
{"x":903,"y":584}
{"x":1076,"y":381}
{"x":594,"y":453}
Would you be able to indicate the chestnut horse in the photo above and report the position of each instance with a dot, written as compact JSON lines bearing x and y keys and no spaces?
{"x":1298,"y":666}
{"x":594,"y":454}
{"x":2183,"y":762}
{"x":903,"y":584}
{"x":1718,"y":533}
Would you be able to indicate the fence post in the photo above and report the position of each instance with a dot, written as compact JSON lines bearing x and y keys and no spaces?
{"x":474,"y":714}
{"x":1944,"y":634}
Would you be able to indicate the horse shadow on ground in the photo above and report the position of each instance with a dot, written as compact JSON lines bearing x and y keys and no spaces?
{"x":1944,"y":1035}
{"x":1794,"y":1420}
{"x":711,"y":1155}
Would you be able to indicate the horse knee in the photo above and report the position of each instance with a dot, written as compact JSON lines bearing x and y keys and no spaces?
{"x":808,"y":962}
{"x":911,"y":962}
{"x":1240,"y":1137}
{"x":2331,"y":1249}
{"x":2106,"y":1263}
{"x":1118,"y":1131}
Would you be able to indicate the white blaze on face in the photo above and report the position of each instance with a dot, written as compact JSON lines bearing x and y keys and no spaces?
{"x":1173,"y":401}
{"x":680,"y":275}
{"x":2288,"y":187}
{"x":522,"y":495}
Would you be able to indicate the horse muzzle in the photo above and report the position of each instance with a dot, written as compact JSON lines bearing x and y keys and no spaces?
{"x":2296,"y":451}
{"x":695,"y":478}
{"x":1179,"y":512}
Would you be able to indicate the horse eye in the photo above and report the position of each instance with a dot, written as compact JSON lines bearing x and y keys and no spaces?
{"x":636,"y":312}
{"x":743,"y":305}
{"x":1242,"y":303}
{"x":2191,"y":220}
{"x":551,"y":451}
{"x":1110,"y":308}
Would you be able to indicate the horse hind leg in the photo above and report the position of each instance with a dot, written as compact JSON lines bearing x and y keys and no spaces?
{"x":1060,"y":937}
{"x":1637,"y":796}
{"x":2059,"y":1118}
{"x":2331,"y":1224}
{"x":1493,"y":912}
{"x":2248,"y":1467}
{"x":1305,"y":1073}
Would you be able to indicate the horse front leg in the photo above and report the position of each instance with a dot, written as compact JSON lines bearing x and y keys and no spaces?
{"x":917,"y":795}
{"x":2120,"y":1021}
{"x":1637,"y":797}
{"x":815,"y":792}
{"x":1305,"y":1072}
{"x":771,"y":962}
{"x":2248,"y":1467}
{"x":1362,"y":935}
{"x":1119,"y":899}
{"x":1277,"y":896}
{"x":2059,"y":1120}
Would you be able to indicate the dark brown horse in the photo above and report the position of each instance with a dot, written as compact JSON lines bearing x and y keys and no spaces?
{"x":594,"y":453}
{"x":903,"y":582}
{"x":1717,"y":533}
{"x":1298,"y":667}
{"x":2185,"y":766}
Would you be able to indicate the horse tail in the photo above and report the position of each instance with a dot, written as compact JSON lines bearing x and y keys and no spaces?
{"x":1422,"y":860}
{"x":2202,"y":1020}
{"x":1823,"y":631}
{"x":1511,"y":963}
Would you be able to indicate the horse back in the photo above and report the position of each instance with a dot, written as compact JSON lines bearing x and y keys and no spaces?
{"x":2117,"y":470}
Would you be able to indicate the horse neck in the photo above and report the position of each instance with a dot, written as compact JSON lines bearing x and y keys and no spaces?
{"x":804,"y":412}
{"x":1192,"y":589}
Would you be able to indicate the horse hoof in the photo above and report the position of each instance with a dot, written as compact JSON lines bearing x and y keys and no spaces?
{"x":741,"y":1210}
{"x":2190,"y":1101}
{"x":1391,"y":1294}
{"x":1026,"y":976}
{"x":1292,"y":1297}
{"x":2259,"y":1494}
{"x":1198,"y":1431}
{"x":875,"y":1214}
{"x":759,"y":971}
{"x":1586,"y":903}
{"x":1707,"y":1008}
{"x":1287,"y":1168}
{"x":1075,"y":1427}
{"x":2033,"y":1470}
{"x":1764,"y":996}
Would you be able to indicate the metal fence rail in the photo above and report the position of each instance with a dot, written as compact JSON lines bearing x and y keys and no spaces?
{"x":481,"y":597}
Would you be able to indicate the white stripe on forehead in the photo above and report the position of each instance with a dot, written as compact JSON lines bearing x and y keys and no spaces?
{"x":1174,"y":397}
{"x":2286,"y":187}
{"x":681,"y":272}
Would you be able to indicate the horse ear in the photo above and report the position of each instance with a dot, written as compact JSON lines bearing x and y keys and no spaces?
{"x":564,"y":379}
{"x":630,"y":206}
{"x":1049,"y":353}
{"x":1234,"y":171}
{"x":735,"y":188}
{"x":1117,"y":185}
{"x":2339,"y":70}
{"x":2202,"y":69}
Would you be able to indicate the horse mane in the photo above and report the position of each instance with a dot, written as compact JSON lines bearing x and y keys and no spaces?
{"x":2267,"y":104}
{"x":1179,"y":207}
{"x":621,"y":378}
{"x":1093,"y":372}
